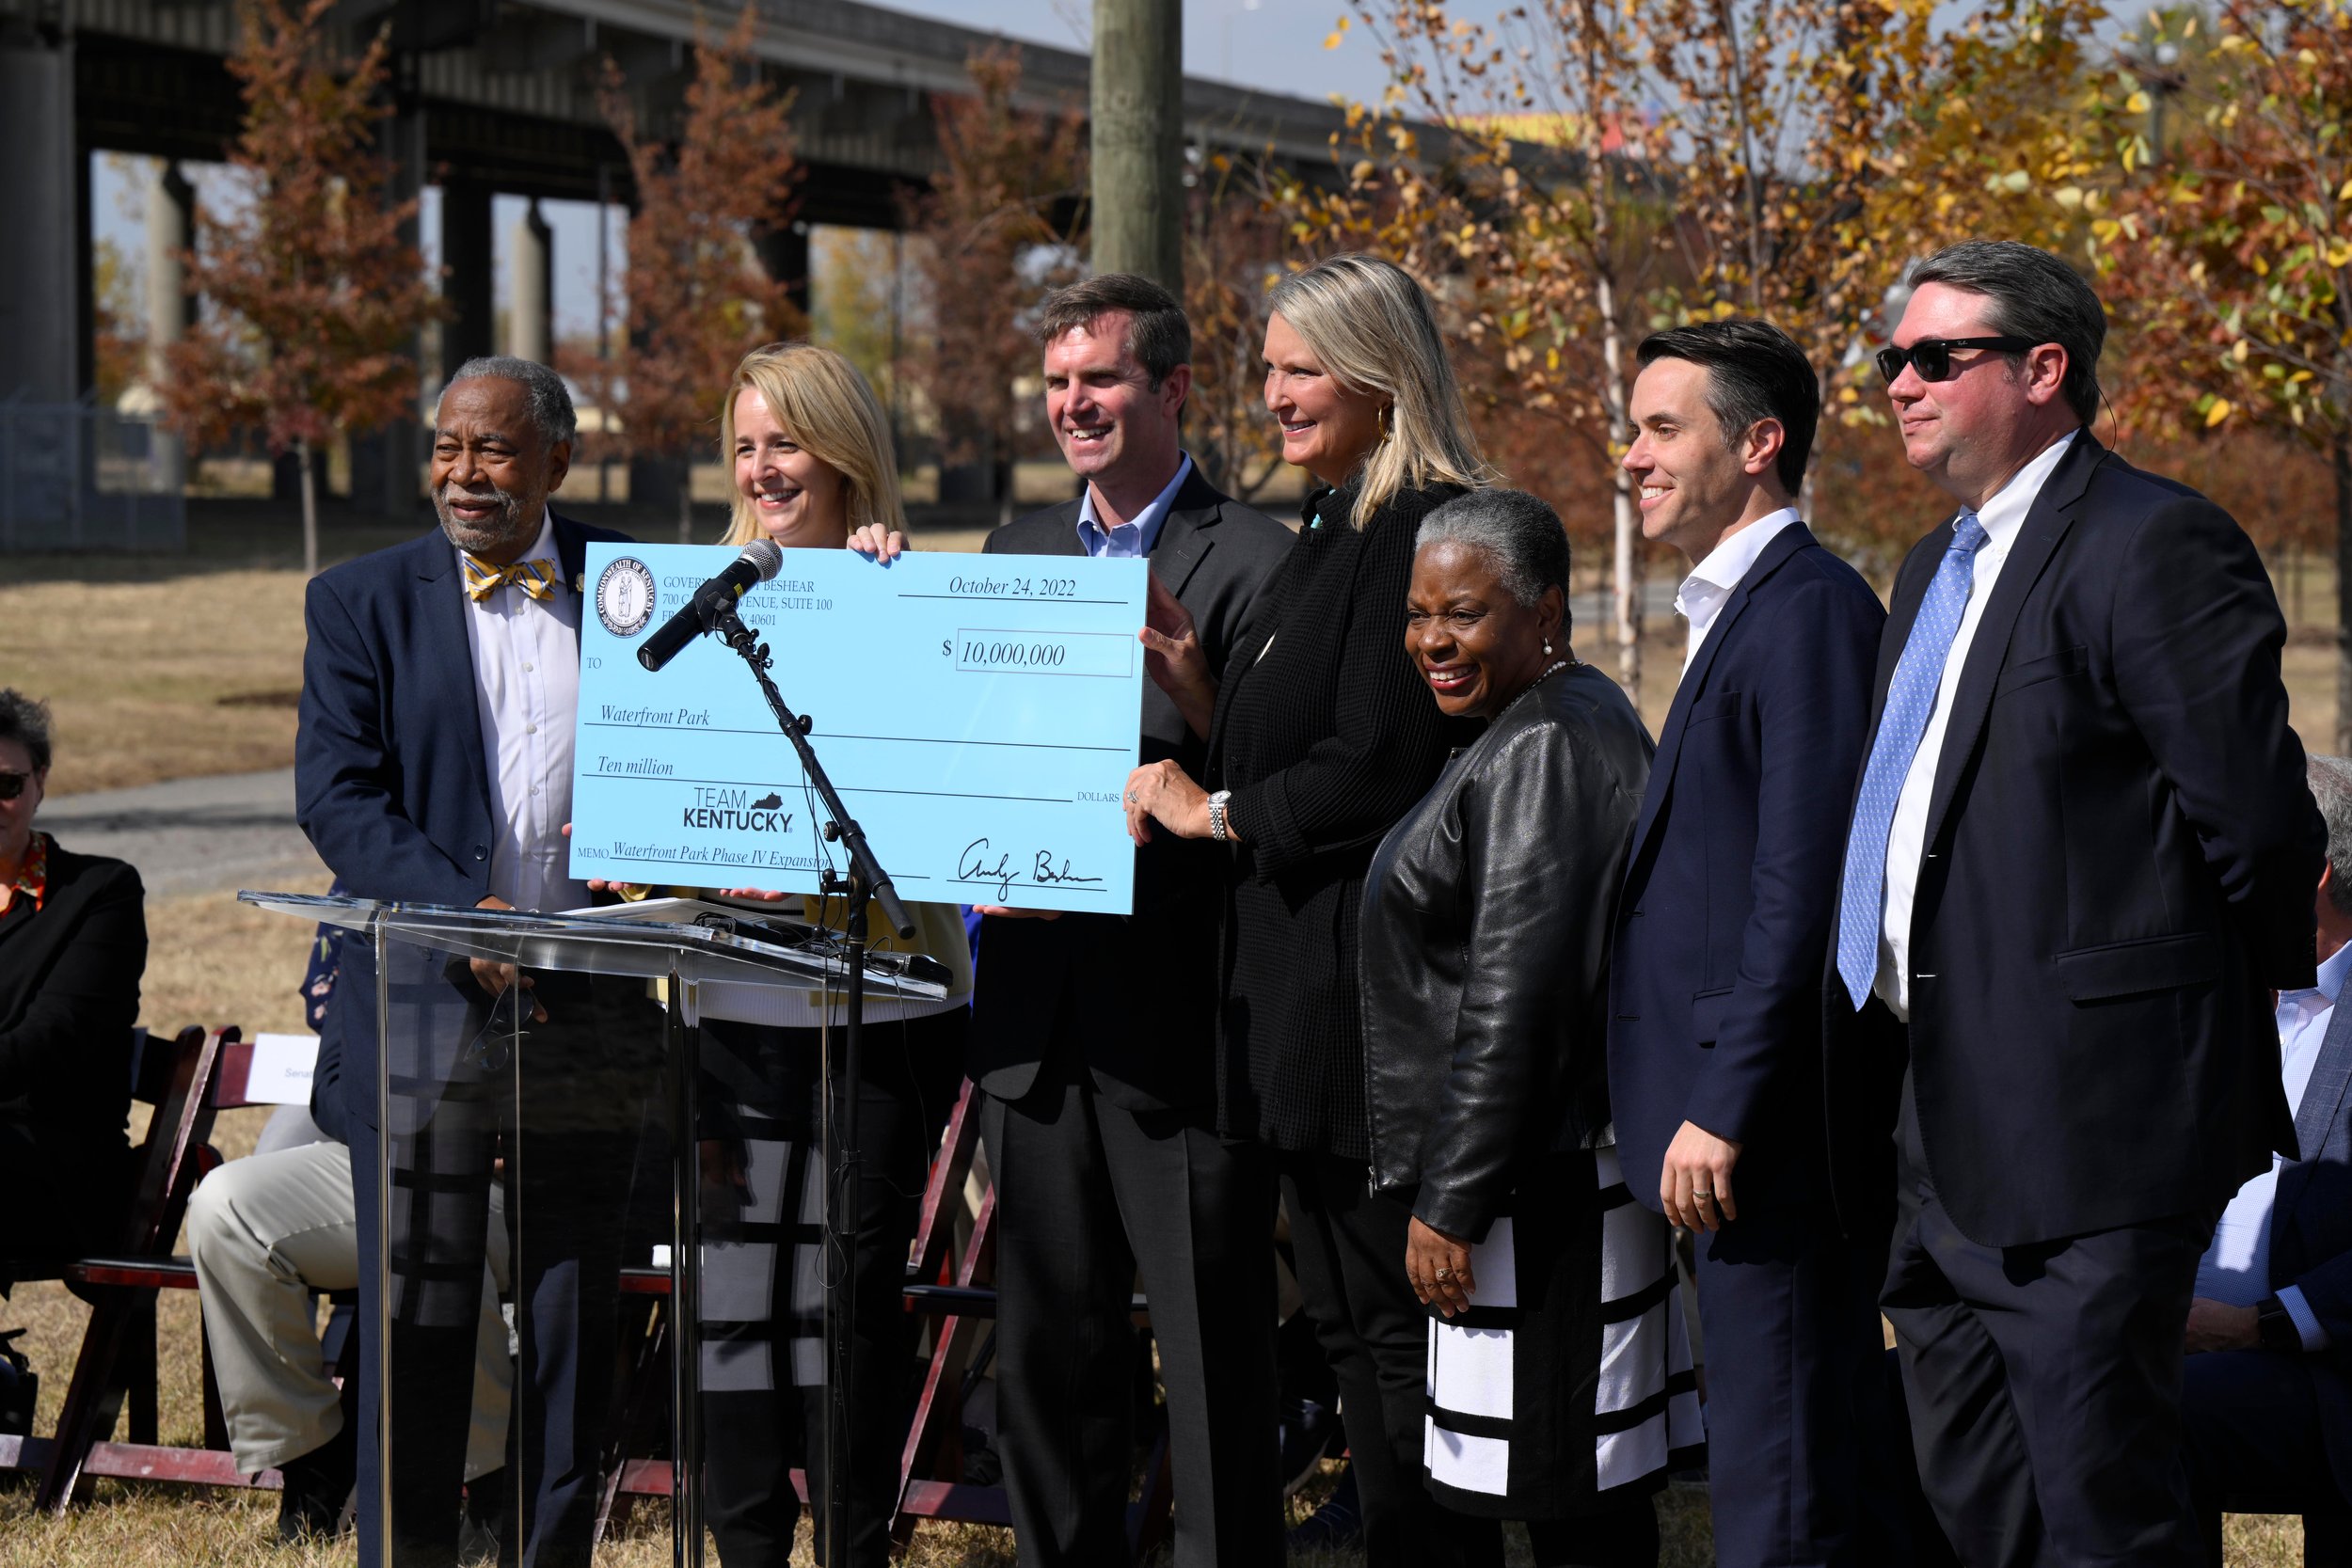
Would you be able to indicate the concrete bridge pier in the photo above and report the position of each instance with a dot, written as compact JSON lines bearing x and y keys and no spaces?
{"x":43,"y":184}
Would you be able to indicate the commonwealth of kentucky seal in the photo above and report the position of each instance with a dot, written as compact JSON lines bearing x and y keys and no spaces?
{"x":625,"y":596}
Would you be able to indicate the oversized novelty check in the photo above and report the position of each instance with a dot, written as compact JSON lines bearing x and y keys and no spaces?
{"x":978,"y":714}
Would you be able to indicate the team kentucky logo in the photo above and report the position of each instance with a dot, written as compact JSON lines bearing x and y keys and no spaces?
{"x":625,"y":596}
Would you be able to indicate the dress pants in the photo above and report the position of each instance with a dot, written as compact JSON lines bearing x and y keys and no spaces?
{"x":2251,"y":1424}
{"x":1349,"y":1244}
{"x":1088,"y":1190}
{"x":265,"y":1232}
{"x":763,"y":1306}
{"x":570,"y":1149}
{"x":1795,"y":1380}
{"x":2043,"y":1382}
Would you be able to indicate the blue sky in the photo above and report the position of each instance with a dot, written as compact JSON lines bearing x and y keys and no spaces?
{"x":1274,"y":44}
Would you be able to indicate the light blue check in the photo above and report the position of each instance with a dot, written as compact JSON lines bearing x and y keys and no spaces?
{"x":979,"y":714}
{"x":1910,"y":701}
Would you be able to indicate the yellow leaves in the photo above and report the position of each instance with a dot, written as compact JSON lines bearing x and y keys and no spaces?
{"x":1362,"y":171}
{"x":2069,"y":197}
{"x":2105,"y":230}
{"x":1338,"y":33}
{"x":2345,"y":194}
{"x":2239,"y":349}
{"x":2338,"y":252}
{"x":1847,"y":394}
{"x":2222,"y":408}
{"x":2136,"y":103}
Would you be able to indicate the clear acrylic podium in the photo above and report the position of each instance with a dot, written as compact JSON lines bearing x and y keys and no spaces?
{"x":530,"y":1148}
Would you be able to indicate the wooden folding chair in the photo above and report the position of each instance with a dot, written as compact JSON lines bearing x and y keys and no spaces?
{"x":117,"y":1354}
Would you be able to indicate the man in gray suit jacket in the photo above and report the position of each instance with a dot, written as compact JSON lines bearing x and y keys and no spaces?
{"x":2266,"y":1398}
{"x":1092,"y":1035}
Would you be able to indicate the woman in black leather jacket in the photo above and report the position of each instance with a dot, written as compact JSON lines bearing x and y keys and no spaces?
{"x":1562,"y":1390}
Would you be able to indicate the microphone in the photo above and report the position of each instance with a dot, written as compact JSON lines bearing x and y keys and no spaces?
{"x":761,"y":560}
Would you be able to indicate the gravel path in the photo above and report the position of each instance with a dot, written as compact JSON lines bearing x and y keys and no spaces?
{"x":193,"y":836}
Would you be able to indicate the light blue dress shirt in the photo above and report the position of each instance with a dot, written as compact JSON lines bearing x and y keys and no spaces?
{"x":2236,"y":1267}
{"x":1136,"y":536}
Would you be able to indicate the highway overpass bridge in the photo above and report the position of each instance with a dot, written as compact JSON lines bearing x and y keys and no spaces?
{"x":492,"y":96}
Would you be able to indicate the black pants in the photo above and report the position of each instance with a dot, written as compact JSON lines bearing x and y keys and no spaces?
{"x":1087,"y":1191}
{"x":566,"y":1115}
{"x":2252,"y":1424}
{"x":762,"y":1312}
{"x":1350,"y":1249}
{"x":2044,"y":1382}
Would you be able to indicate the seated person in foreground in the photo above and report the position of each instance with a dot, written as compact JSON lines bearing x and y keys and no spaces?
{"x":2266,"y":1396}
{"x":267,"y":1231}
{"x":73,"y":947}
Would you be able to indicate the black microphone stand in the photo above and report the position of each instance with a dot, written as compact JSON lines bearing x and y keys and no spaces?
{"x":867,"y":882}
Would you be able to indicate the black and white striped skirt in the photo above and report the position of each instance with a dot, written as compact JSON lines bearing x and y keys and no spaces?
{"x":1568,"y":1385}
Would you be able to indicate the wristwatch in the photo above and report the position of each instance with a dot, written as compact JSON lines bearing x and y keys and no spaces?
{"x":1216,"y":815}
{"x":2274,"y":1329}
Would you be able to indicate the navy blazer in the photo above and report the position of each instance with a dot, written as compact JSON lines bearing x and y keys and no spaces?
{"x":1728,"y":894}
{"x":2120,"y":851}
{"x":2311,"y":1230}
{"x":1144,"y":985}
{"x":390,"y":781}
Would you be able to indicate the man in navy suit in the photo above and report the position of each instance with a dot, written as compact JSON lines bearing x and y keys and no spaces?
{"x":1714,"y":1045}
{"x":434,"y":765}
{"x":2080,"y":857}
{"x":2266,"y":1396}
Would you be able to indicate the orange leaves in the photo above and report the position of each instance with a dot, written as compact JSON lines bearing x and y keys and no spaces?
{"x":696,"y":296}
{"x":316,"y":296}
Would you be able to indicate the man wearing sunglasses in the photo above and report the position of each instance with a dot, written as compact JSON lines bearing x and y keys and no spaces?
{"x":2079,"y":856}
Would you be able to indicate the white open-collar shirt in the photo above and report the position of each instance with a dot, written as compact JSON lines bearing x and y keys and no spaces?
{"x":525,"y":678}
{"x":2003,"y":518}
{"x":1712,"y":582}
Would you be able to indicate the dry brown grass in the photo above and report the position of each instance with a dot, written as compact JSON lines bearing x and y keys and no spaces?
{"x":137,"y":655}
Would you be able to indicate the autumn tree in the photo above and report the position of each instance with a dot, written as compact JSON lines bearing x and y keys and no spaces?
{"x":1236,"y":245}
{"x":695,"y":297}
{"x":1506,"y":167}
{"x":1002,"y":223}
{"x":2230,"y":247}
{"x":1577,"y":173}
{"x":312,"y":296}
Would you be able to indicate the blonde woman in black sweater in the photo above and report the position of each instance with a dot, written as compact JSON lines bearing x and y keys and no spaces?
{"x":1319,"y":740}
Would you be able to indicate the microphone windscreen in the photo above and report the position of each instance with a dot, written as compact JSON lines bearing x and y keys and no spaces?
{"x":767,"y":555}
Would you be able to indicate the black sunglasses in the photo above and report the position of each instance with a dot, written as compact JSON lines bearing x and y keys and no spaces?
{"x":12,"y":784}
{"x":1933,"y":357}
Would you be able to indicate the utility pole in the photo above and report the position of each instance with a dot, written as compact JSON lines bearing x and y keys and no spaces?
{"x":1138,"y":128}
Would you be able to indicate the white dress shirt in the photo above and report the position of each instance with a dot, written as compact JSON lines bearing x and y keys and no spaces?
{"x":1138,"y":534}
{"x":526,"y":679}
{"x":2002,"y":517}
{"x":1711,"y":582}
{"x":2236,"y":1267}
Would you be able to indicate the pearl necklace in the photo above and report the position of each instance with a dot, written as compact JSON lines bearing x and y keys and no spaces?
{"x":1551,"y":670}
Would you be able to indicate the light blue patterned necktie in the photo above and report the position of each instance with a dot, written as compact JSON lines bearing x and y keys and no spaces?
{"x":1910,"y":699}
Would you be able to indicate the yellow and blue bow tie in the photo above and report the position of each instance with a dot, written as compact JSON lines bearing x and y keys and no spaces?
{"x":537,"y":579}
